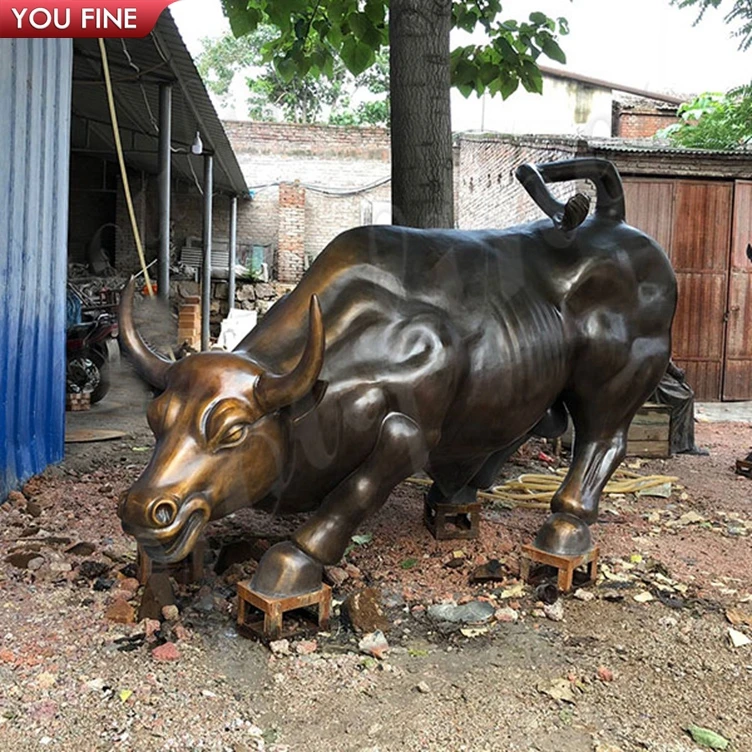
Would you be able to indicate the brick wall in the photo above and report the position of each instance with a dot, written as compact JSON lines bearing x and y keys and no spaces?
{"x":292,"y":225}
{"x":489,"y":195}
{"x":328,"y":215}
{"x":340,"y":171}
{"x":297,"y":140}
{"x":643,"y":123}
{"x":309,"y":183}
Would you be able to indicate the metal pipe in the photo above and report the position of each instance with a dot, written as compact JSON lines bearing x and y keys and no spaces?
{"x":233,"y":251}
{"x":165,"y":142}
{"x":207,"y":249}
{"x":231,"y":169}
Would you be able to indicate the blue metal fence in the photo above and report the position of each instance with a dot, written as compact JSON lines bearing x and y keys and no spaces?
{"x":35,"y":110}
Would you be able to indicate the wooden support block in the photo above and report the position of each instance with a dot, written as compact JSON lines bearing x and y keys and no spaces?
{"x":564,"y":564}
{"x":274,"y":609}
{"x":452,"y":521}
{"x":743,"y":467}
{"x":187,"y":571}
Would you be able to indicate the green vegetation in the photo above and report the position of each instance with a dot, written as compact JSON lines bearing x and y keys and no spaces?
{"x":715,"y":120}
{"x":311,"y":36}
{"x":301,"y":99}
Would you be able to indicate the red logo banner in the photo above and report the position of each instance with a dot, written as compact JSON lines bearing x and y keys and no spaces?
{"x":79,"y":18}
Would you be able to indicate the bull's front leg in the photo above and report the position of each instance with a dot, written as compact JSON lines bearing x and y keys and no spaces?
{"x":295,"y":567}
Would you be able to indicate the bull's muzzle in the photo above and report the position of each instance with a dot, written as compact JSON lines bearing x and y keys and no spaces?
{"x":159,"y":513}
{"x":166,"y":527}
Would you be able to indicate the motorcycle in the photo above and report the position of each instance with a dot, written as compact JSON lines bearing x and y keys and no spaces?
{"x":91,"y":347}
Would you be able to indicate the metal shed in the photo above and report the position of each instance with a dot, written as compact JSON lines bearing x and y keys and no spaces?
{"x":52,"y":104}
{"x":35,"y":107}
{"x":138,"y":67}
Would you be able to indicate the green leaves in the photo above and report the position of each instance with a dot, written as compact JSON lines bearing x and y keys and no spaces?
{"x":540,"y":19}
{"x":714,"y":121}
{"x":362,"y":540}
{"x":358,"y":540}
{"x":511,"y":57}
{"x":242,"y":19}
{"x":357,"y":56}
{"x":311,"y":35}
{"x":551,"y":49}
{"x":707,"y":737}
{"x":286,"y":68}
{"x":305,"y":85}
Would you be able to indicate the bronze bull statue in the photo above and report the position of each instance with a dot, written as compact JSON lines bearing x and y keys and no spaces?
{"x":403,"y":350}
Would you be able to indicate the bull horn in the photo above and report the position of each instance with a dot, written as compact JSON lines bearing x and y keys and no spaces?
{"x":152,"y":367}
{"x":274,"y":391}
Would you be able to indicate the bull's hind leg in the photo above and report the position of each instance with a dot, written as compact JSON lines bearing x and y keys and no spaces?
{"x":295,"y":567}
{"x":601,"y":415}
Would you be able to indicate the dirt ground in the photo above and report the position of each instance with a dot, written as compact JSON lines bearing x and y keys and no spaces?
{"x":628,"y":669}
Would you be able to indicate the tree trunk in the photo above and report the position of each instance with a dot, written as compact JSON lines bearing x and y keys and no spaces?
{"x":422,"y":185}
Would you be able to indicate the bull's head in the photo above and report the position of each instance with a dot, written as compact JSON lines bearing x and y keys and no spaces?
{"x":220,"y":438}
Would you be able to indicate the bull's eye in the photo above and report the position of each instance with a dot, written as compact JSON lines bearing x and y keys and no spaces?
{"x":164,"y":511}
{"x":232,"y":436}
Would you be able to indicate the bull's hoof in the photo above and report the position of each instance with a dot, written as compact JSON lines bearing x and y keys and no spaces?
{"x":285,"y":571}
{"x":564,"y":535}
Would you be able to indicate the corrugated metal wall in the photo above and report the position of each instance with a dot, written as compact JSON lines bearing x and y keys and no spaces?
{"x":35,"y":109}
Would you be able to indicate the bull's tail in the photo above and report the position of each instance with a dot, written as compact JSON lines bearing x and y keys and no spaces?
{"x":609,"y":189}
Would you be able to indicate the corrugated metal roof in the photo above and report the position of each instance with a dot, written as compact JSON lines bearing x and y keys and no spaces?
{"x":138,"y":66}
{"x":35,"y":119}
{"x":659,"y":146}
{"x":586,"y":144}
{"x":633,"y":102}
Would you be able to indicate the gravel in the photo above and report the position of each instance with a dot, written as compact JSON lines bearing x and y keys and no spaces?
{"x":637,"y":675}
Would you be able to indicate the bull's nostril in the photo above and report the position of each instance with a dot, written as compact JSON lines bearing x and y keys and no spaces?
{"x":164,"y":511}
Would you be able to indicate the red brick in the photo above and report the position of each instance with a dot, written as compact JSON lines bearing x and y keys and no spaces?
{"x":643,"y":123}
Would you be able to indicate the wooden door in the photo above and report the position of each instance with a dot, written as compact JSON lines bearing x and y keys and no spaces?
{"x":692,"y":221}
{"x":699,"y":254}
{"x":650,"y":207}
{"x":737,"y":383}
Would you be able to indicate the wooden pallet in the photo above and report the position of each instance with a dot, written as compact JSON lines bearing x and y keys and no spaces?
{"x":649,"y":434}
{"x":565,"y":565}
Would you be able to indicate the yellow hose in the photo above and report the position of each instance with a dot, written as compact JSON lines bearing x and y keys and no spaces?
{"x":121,"y":160}
{"x":538,"y":486}
{"x":535,"y":491}
{"x":488,"y":495}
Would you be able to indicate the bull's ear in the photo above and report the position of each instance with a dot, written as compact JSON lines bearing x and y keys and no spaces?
{"x":298,"y":410}
{"x":276,"y":391}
